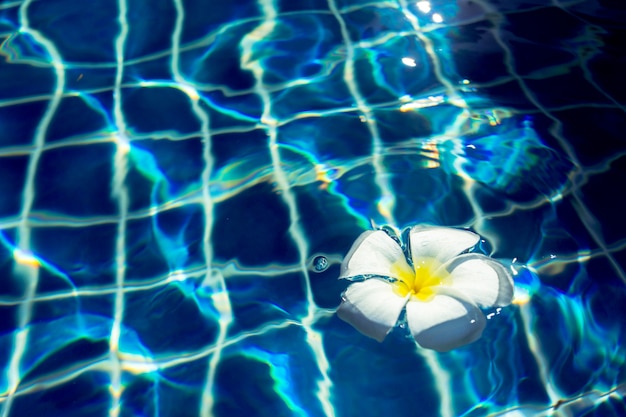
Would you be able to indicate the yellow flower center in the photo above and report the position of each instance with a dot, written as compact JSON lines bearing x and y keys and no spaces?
{"x":422,"y":281}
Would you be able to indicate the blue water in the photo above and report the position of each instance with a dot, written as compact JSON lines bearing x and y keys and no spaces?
{"x":180,"y":180}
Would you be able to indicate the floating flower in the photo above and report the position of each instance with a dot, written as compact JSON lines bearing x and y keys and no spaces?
{"x":441,"y":286}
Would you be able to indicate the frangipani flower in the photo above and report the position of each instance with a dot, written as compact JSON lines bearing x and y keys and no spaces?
{"x":441,"y":286}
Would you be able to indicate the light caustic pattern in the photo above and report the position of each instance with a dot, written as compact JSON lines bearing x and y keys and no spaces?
{"x":180,"y":179}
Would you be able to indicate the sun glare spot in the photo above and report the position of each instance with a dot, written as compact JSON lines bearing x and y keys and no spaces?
{"x":409,"y":62}
{"x":26,"y":258}
{"x":424,"y":6}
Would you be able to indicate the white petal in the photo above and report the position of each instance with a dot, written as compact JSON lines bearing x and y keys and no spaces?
{"x":441,"y":243}
{"x":480,"y":280}
{"x":374,"y":253}
{"x":371,"y":307}
{"x":444,"y":323}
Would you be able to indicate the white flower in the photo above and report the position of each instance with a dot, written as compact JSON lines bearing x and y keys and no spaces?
{"x":441,"y":287}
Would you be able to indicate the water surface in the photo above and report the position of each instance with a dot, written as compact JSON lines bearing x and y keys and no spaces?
{"x":180,"y":180}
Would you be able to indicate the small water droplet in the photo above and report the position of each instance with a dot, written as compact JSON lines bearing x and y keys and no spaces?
{"x":320,"y":263}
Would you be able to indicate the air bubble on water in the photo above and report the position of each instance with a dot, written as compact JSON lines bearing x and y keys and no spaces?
{"x":320,"y":263}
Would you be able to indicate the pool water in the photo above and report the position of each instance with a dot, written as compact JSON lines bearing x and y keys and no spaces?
{"x":181,"y":179}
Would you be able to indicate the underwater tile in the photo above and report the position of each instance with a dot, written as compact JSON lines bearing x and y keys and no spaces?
{"x":474,"y":375}
{"x":329,"y":226}
{"x":190,"y":375}
{"x":567,"y":215}
{"x":513,"y":160}
{"x":77,"y":353}
{"x":85,"y":255}
{"x":288,"y":6}
{"x":509,"y":94}
{"x":240,"y":398}
{"x":383,"y":77}
{"x":477,"y":56}
{"x":579,"y":350}
{"x":602,"y":272}
{"x":11,"y":286}
{"x":151,"y":29}
{"x":159,"y":109}
{"x":326,"y":219}
{"x":581,"y":123}
{"x":363,"y":368}
{"x":241,"y":161}
{"x":141,"y":193}
{"x":372,"y":21}
{"x":396,"y":127}
{"x":16,"y":84}
{"x":320,"y":95}
{"x":282,"y":377}
{"x":248,"y":147}
{"x":349,"y":4}
{"x":6,"y":353}
{"x":63,"y":306}
{"x":89,"y":313}
{"x":506,"y":6}
{"x":55,"y":340}
{"x":77,"y":116}
{"x":199,"y":23}
{"x":172,"y":319}
{"x":164,"y":392}
{"x":524,"y":24}
{"x":55,"y":306}
{"x":332,"y":133}
{"x":611,"y":70}
{"x":153,"y":71}
{"x":12,"y":179}
{"x":258,"y":300}
{"x":140,"y":392}
{"x":91,"y":80}
{"x":232,"y":112}
{"x":428,"y":195}
{"x":145,"y":259}
{"x":8,"y":321}
{"x":358,"y":185}
{"x":85,"y":394}
{"x":564,"y":94}
{"x":325,"y":287}
{"x":520,"y":226}
{"x":178,"y":233}
{"x":252,"y":228}
{"x":158,"y":162}
{"x":555,"y":257}
{"x":612,"y":406}
{"x":303,"y":47}
{"x":541,"y":61}
{"x":75,"y":181}
{"x":605,"y":300}
{"x":218,"y":63}
{"x":607,"y":65}
{"x":452,"y":14}
{"x":20,"y":122}
{"x":489,"y":200}
{"x":82,"y":32}
{"x":156,"y":176}
{"x":10,"y":18}
{"x":605,"y":209}
{"x":529,"y":389}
